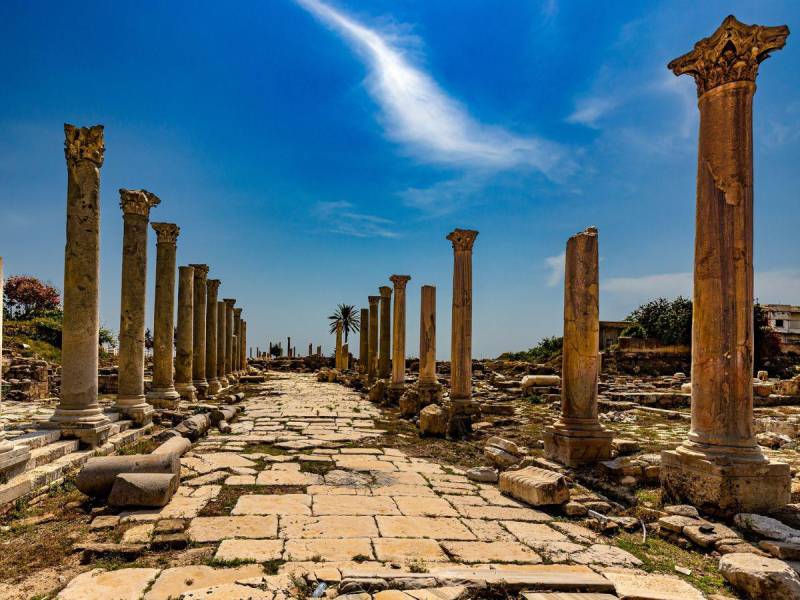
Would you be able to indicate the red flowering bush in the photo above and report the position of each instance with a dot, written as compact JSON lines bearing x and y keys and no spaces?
{"x":25,"y":297}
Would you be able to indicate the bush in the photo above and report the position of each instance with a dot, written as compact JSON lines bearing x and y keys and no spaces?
{"x":26,"y":297}
{"x":548,"y":348}
{"x":670,"y":322}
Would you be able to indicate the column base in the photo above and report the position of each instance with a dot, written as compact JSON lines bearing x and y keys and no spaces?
{"x":574,"y":448}
{"x":223,"y":382}
{"x":462,"y":412}
{"x":136,"y":409}
{"x":187,"y":391}
{"x":723,"y":485}
{"x":394,"y":392}
{"x":201,"y":385}
{"x":429,"y":393}
{"x":90,"y":426}
{"x":213,"y":388}
{"x":163,"y":397}
{"x":13,"y":460}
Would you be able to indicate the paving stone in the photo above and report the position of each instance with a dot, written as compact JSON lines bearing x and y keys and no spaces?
{"x":214,"y":529}
{"x":535,"y":535}
{"x":635,"y":585}
{"x":328,"y":549}
{"x":138,"y":534}
{"x":402,"y":550}
{"x":228,"y":591}
{"x":504,"y":513}
{"x":256,"y":550}
{"x":273,"y":504}
{"x":97,"y":584}
{"x":287,"y":478}
{"x":441,"y":528}
{"x":601,"y":554}
{"x":354,"y":505}
{"x":171,"y":583}
{"x":328,"y":527}
{"x":425,"y":506}
{"x":499,"y":552}
{"x":488,"y":531}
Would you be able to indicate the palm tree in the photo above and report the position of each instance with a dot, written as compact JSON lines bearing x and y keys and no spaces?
{"x":347,"y":315}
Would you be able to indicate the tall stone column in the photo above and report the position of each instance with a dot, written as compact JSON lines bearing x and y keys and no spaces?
{"x":229,"y":302}
{"x":372,"y":354}
{"x":162,"y":392}
{"x":577,"y":437}
{"x":462,"y":407}
{"x":384,"y":360}
{"x":243,"y":348}
{"x":183,"y":349}
{"x":79,"y":414}
{"x":397,"y":386}
{"x":363,"y":345}
{"x":135,"y":205}
{"x":212,"y":340}
{"x":222,"y":343}
{"x":199,"y":330}
{"x":429,"y":390}
{"x":720,"y":468}
{"x":237,"y":333}
{"x":310,"y":349}
{"x":338,"y":360}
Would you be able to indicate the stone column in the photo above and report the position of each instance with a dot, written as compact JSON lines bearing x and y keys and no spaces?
{"x":577,"y":437}
{"x":214,"y":384}
{"x":363,"y":346}
{"x":229,"y":302}
{"x":237,"y":333}
{"x":310,"y":349}
{"x":222,"y":338}
{"x":243,"y":346}
{"x":199,"y":330}
{"x":131,"y":403}
{"x":338,"y":360}
{"x":372,"y":354}
{"x":397,"y":386}
{"x":345,"y":357}
{"x":720,"y":468}
{"x":162,"y":392}
{"x":183,"y":349}
{"x":78,"y":413}
{"x":429,"y":390}
{"x":12,"y":458}
{"x":384,"y":360}
{"x":462,"y":407}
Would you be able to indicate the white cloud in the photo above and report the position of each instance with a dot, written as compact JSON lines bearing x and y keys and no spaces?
{"x":589,"y":110}
{"x":420,"y":115}
{"x":556,"y":264}
{"x":340,"y":218}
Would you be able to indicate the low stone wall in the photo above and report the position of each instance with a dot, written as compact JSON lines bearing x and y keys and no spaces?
{"x":646,"y":363}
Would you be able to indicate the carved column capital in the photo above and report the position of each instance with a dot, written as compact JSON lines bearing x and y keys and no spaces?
{"x":200,"y":270}
{"x":462,"y":239}
{"x":732,"y":53}
{"x":84,"y":143}
{"x":229,"y":301}
{"x":386,"y":291}
{"x":213,"y":285}
{"x":237,"y":313}
{"x":400,"y":281}
{"x":137,"y":202}
{"x":373,"y":300}
{"x":167,"y":233}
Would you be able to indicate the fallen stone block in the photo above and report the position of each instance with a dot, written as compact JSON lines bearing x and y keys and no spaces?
{"x":194,"y":427}
{"x":767,"y":527}
{"x":530,"y":381}
{"x":92,"y":551}
{"x":500,"y":457}
{"x":98,"y":474}
{"x":223,"y":413}
{"x":535,"y":486}
{"x":433,"y":421}
{"x":760,"y":578}
{"x":143,"y":489}
{"x":177,"y":444}
{"x":483,"y":474}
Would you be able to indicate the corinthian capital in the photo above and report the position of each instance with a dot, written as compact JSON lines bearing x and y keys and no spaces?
{"x":200,"y":271}
{"x":84,"y":143}
{"x":229,"y":301}
{"x":732,"y":53}
{"x":373,"y":300}
{"x":462,"y":239}
{"x":137,"y":202}
{"x":400,"y":281}
{"x":167,"y":233}
{"x":212,"y":285}
{"x":237,"y":313}
{"x":386,"y":291}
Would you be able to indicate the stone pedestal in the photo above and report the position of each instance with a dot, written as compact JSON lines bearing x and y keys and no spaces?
{"x":721,"y":468}
{"x":212,"y":344}
{"x":222,"y":338}
{"x":462,"y":409}
{"x":397,"y":386}
{"x":363,"y":342}
{"x":385,"y":337}
{"x":163,"y":393}
{"x":372,"y":355}
{"x":577,"y":437}
{"x":131,"y":403}
{"x":199,"y":330}
{"x":183,"y":349}
{"x":429,"y":390}
{"x":78,"y":414}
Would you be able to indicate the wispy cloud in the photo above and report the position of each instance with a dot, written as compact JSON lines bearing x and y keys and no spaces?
{"x":588,"y":111}
{"x":556,"y":265}
{"x":417,"y":113}
{"x":339,"y":217}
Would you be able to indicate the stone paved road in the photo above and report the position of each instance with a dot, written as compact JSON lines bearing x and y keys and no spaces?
{"x":290,"y":491}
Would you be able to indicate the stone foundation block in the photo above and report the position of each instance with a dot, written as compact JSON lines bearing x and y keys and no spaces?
{"x":433,"y":421}
{"x":576,"y":448}
{"x":535,"y":486}
{"x":13,"y":462}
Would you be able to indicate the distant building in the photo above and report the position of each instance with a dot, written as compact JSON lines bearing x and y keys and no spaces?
{"x":610,"y":332}
{"x":784,"y":319}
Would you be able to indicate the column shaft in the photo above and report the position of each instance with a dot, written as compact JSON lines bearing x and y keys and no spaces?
{"x":398,"y":337}
{"x":212,"y":343}
{"x":427,"y":336}
{"x":222,"y":337}
{"x":184,"y":350}
{"x":372,"y":355}
{"x":384,"y":357}
{"x":229,"y":302}
{"x":363,"y":347}
{"x":163,"y":391}
{"x":199,"y":330}
{"x":338,"y":361}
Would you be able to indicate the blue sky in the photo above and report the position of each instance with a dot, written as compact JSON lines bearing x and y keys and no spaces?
{"x":311,"y":148}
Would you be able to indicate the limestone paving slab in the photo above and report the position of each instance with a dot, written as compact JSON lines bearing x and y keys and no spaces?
{"x":171,"y":583}
{"x":338,"y":549}
{"x":257,"y":550}
{"x":438,"y":528}
{"x":335,"y":526}
{"x":214,"y":529}
{"x":402,"y":550}
{"x":495,"y":552}
{"x":273,"y":504}
{"x":354,"y":505}
{"x":97,"y":584}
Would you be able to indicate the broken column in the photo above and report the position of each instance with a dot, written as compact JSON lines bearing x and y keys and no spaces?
{"x":363,"y":346}
{"x":720,"y":467}
{"x":429,"y":390}
{"x":397,"y":385}
{"x":338,"y":362}
{"x":131,"y":403}
{"x":199,"y":330}
{"x":222,"y":338}
{"x":78,"y":414}
{"x":384,"y":359}
{"x":162,"y":392}
{"x":229,"y":302}
{"x":462,"y":408}
{"x":183,"y":348}
{"x":372,"y":355}
{"x":214,"y":384}
{"x":577,"y":437}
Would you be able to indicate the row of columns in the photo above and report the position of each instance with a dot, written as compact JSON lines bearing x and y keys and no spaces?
{"x":211,"y":336}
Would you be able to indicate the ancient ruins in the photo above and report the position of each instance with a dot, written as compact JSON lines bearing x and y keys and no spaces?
{"x":195,"y":462}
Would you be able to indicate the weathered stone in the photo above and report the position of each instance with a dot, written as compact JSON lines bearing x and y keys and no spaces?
{"x":530,"y":381}
{"x":537,"y":487}
{"x":767,"y":527}
{"x":433,"y":421}
{"x":634,"y":585}
{"x":143,"y":489}
{"x":97,"y":476}
{"x":483,"y":474}
{"x":759,"y":577}
{"x":97,"y":584}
